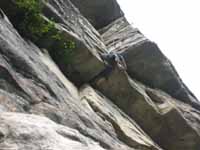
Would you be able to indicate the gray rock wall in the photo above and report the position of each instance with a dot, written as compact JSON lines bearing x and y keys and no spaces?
{"x":94,"y":102}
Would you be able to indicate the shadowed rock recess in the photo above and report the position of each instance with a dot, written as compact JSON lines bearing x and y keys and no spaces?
{"x":110,"y":89}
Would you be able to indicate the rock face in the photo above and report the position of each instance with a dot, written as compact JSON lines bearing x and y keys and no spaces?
{"x":99,"y":13}
{"x":150,"y":66}
{"x":23,"y":131}
{"x":92,"y":103}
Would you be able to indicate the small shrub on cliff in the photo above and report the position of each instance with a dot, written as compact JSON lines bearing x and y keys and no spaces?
{"x":63,"y":49}
{"x":32,"y":25}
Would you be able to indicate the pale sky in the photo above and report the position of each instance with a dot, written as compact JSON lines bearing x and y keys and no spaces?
{"x":175,"y":26}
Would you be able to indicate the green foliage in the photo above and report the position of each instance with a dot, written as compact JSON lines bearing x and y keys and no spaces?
{"x":33,"y":6}
{"x":63,"y":48}
{"x":34,"y":27}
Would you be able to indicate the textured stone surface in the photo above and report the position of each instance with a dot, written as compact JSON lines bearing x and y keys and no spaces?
{"x":32,"y":83}
{"x":145,"y":62}
{"x":127,"y":130}
{"x":146,"y":107}
{"x":99,"y":12}
{"x":85,"y":61}
{"x":34,"y":86}
{"x":158,"y":114}
{"x":121,"y":35}
{"x":23,"y":131}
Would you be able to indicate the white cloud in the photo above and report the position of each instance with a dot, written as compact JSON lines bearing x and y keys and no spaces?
{"x":175,"y":26}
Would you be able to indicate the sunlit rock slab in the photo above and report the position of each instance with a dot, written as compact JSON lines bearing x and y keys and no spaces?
{"x":145,"y":61}
{"x":126,"y":129}
{"x":157,"y":113}
{"x":23,"y":131}
{"x":32,"y":83}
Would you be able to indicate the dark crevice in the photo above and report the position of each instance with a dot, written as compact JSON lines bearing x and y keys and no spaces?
{"x":70,"y":136}
{"x":103,"y":74}
{"x":101,"y":143}
{"x":9,"y":84}
{"x":154,"y":98}
{"x":2,"y":136}
{"x":2,"y":15}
